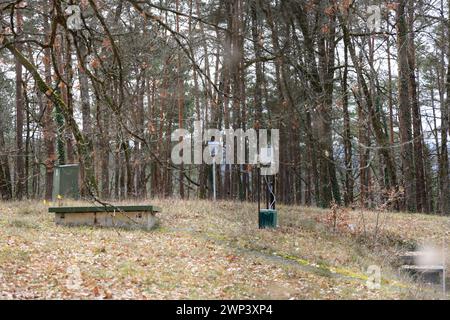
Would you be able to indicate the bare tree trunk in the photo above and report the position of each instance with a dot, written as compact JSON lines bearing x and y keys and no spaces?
{"x":444,"y":201}
{"x":67,"y":92}
{"x":180,"y":102}
{"x":49,"y":128}
{"x":405,"y":109}
{"x":390,"y":99}
{"x":348,"y":197}
{"x":20,"y":169}
{"x":421,"y":192}
{"x":5,"y":175}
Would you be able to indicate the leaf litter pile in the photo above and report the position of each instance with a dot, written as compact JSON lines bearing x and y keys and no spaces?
{"x":205,"y":250}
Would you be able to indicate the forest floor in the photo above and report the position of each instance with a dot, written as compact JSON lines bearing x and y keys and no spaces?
{"x":206,"y":250}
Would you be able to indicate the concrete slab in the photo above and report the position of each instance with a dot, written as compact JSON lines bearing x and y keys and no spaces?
{"x":128,"y":217}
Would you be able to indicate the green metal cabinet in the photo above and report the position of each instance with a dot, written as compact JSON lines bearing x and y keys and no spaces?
{"x":267,"y":218}
{"x":65,"y":181}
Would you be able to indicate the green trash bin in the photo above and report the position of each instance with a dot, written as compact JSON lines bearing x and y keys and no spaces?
{"x":267,"y":218}
{"x":65,"y":182}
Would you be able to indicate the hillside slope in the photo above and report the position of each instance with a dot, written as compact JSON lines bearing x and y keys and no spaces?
{"x":205,"y":250}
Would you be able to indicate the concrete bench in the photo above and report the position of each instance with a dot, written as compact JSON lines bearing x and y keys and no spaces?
{"x":410,"y":257}
{"x":429,"y":274}
{"x":129,"y":217}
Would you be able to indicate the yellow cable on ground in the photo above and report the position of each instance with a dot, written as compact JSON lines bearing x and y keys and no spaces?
{"x":336,"y":270}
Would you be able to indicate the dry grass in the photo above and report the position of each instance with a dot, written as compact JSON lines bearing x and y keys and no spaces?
{"x":203,"y":250}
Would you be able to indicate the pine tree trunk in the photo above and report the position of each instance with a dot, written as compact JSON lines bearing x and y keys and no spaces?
{"x":444,"y":201}
{"x":407,"y":159}
{"x":348,"y":197}
{"x":421,"y":192}
{"x":20,"y":169}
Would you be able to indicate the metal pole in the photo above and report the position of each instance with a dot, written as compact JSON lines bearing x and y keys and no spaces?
{"x":273,"y":193}
{"x":259,"y":187}
{"x":214,"y":178}
{"x":258,"y":172}
{"x":443,"y":268}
